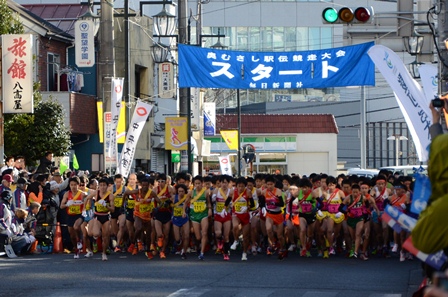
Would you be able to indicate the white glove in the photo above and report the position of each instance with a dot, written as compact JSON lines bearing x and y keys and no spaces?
{"x":320,"y":213}
{"x":84,"y":213}
{"x":243,"y":209}
{"x":263,"y":211}
{"x":9,"y":233}
{"x":403,"y":206}
{"x":338,"y":215}
{"x":69,"y":203}
{"x":102,"y":202}
{"x":223,"y":213}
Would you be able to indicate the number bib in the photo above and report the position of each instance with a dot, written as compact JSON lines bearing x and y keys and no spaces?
{"x":306,"y":207}
{"x":101,"y":208}
{"x":131,"y":204}
{"x":199,"y":206}
{"x":74,"y":209}
{"x":219,"y":206}
{"x":146,"y":207}
{"x":178,"y":211}
{"x":333,"y":208}
{"x":118,"y":201}
{"x":356,"y":212}
{"x":239,"y":206}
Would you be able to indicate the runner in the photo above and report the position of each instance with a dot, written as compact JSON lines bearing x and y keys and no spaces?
{"x":380,"y":193}
{"x":260,"y":185}
{"x":222,"y":218}
{"x":118,"y":217}
{"x":129,"y":211}
{"x":73,"y":201}
{"x":307,"y":215}
{"x":162,"y":217}
{"x":292,"y":216}
{"x":370,"y":206}
{"x":181,"y":222}
{"x":355,"y":203}
{"x":104,"y":205}
{"x":254,"y":213}
{"x":241,"y":201}
{"x":200,"y":210}
{"x":90,"y":188}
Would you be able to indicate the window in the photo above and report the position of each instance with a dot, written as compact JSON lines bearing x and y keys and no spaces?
{"x":53,"y":61}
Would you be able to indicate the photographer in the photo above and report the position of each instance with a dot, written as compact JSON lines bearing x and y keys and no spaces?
{"x":436,"y":127}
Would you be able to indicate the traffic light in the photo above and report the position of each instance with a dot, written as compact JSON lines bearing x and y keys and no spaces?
{"x":347,"y":15}
{"x":248,"y":153}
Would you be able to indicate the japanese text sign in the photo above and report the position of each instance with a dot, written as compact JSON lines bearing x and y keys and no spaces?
{"x":17,"y":73}
{"x":335,"y":67}
{"x":84,"y":43}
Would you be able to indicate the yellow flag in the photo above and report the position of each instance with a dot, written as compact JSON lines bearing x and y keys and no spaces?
{"x":231,"y":138}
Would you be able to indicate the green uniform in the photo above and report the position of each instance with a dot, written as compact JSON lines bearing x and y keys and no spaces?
{"x":198,"y":209}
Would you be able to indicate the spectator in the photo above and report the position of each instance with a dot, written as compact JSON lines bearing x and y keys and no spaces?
{"x":45,"y":163}
{"x":36,"y":188}
{"x":21,"y":240}
{"x":20,"y":194}
{"x":9,"y":164}
{"x":436,"y":127}
{"x":6,"y":216}
{"x":6,"y":182}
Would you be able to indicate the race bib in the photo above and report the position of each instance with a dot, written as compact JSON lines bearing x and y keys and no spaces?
{"x":356,"y":212}
{"x":219,"y":207}
{"x":333,"y":208}
{"x":131,"y":204}
{"x":178,"y":211}
{"x":239,"y":206}
{"x":74,"y":209}
{"x":100,"y":208}
{"x":307,"y":207}
{"x":199,"y":206}
{"x":118,"y":201}
{"x":146,"y":207}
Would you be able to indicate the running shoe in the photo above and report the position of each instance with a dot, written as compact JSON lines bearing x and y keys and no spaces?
{"x":234,"y":245}
{"x":134,"y":251}
{"x":183,"y":256}
{"x":88,"y":255}
{"x":104,"y":257}
{"x":351,"y":254}
{"x":76,"y":255}
{"x":149,"y":255}
{"x":303,"y":253}
{"x":292,"y":247}
{"x":162,"y":255}
{"x":254,"y":250}
{"x":95,"y":247}
{"x":79,"y":245}
{"x":332,"y":252}
{"x":326,"y":256}
{"x":270,"y":251}
{"x":259,"y":250}
{"x":140,"y":246}
{"x":355,"y":255}
{"x":153,"y":249}
{"x":374,"y":251}
{"x":327,"y":243}
{"x":160,"y":242}
{"x":244,"y":257}
{"x":131,"y":248}
{"x":402,"y":256}
{"x":108,"y":252}
{"x":220,"y":244}
{"x":226,"y":257}
{"x":395,"y":248}
{"x":308,"y":254}
{"x":201,"y":256}
{"x":363,"y":257}
{"x":282,"y":254}
{"x":218,"y":251}
{"x":117,"y":249}
{"x":319,"y":253}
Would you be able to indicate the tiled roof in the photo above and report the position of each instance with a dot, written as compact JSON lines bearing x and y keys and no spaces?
{"x":62,"y":16}
{"x":278,"y":123}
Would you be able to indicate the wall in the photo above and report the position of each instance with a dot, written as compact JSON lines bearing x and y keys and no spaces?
{"x":49,"y":46}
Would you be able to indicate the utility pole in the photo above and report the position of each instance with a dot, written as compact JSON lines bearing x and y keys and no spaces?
{"x":442,"y":31}
{"x":106,"y":56}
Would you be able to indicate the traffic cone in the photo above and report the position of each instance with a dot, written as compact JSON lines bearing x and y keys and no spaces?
{"x":57,"y":242}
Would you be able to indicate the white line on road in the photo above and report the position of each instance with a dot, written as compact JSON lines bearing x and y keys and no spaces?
{"x":191,"y":292}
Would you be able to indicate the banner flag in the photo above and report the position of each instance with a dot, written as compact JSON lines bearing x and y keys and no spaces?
{"x":176,"y":133}
{"x":225,"y":69}
{"x":209,"y":118}
{"x":436,"y":260}
{"x":231,"y":138}
{"x":75,"y":162}
{"x":138,"y":121}
{"x":409,"y":95}
{"x":224,"y":165}
{"x":115,"y":108}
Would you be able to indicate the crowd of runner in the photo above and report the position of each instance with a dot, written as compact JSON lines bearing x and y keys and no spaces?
{"x":316,"y":215}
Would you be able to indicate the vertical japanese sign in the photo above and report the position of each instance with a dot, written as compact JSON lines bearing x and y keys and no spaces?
{"x":224,"y":165}
{"x":176,"y":133}
{"x":196,"y":104}
{"x":138,"y":121}
{"x":84,"y":43}
{"x":17,"y":73}
{"x":166,"y":81}
{"x":115,"y":108}
{"x":121,"y":130}
{"x":209,"y":118}
{"x":110,"y":160}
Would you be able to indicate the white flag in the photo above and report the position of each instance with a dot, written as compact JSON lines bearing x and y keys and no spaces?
{"x":409,"y":95}
{"x":224,"y":164}
{"x":115,"y":107}
{"x":429,"y":77}
{"x":139,"y":117}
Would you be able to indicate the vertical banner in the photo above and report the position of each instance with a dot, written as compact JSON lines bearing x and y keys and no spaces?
{"x":115,"y":108}
{"x":209,"y":118}
{"x":166,"y":81}
{"x":17,"y":73}
{"x":176,"y":133}
{"x":110,"y":160}
{"x":409,"y":95}
{"x":195,"y":108}
{"x":84,"y":43}
{"x":121,"y":132}
{"x":231,"y":138}
{"x":138,"y":121}
{"x":224,"y":165}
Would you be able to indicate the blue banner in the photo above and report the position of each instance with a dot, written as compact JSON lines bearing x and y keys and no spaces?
{"x":223,"y":69}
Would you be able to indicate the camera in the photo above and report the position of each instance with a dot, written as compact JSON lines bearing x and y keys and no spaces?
{"x":437,"y":102}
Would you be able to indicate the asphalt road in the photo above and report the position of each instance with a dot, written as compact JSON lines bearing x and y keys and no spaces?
{"x":125,"y":275}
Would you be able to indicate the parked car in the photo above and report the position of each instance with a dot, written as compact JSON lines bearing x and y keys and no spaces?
{"x":363,"y":172}
{"x":408,"y":170}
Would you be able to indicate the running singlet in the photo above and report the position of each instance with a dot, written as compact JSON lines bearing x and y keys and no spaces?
{"x":99,"y":208}
{"x":118,"y":196}
{"x":271,"y":201}
{"x":379,"y":198}
{"x":333,"y":202}
{"x":130,"y":202}
{"x":398,"y":201}
{"x":307,"y":203}
{"x":144,"y":209}
{"x":164,"y":196}
{"x":355,"y":208}
{"x":255,"y":197}
{"x":220,"y":200}
{"x":78,"y":204}
{"x":240,"y":202}
{"x":198,"y":206}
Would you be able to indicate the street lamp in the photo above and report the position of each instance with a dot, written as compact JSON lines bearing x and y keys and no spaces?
{"x":89,"y":15}
{"x":413,"y":44}
{"x":160,"y":52}
{"x":218,"y":45}
{"x":397,"y":137}
{"x":413,"y":68}
{"x":164,"y":22}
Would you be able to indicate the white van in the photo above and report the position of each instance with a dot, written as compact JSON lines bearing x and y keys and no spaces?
{"x":370,"y":173}
{"x":406,"y":170}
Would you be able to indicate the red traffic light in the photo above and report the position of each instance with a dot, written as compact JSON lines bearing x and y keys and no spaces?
{"x":362,"y":14}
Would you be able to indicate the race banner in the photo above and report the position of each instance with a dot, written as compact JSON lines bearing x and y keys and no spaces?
{"x":406,"y":222}
{"x":121,"y":130}
{"x":209,"y":118}
{"x":17,"y":73}
{"x":231,"y":138}
{"x":176,"y":133}
{"x":225,"y":69}
{"x":138,"y":121}
{"x":224,"y":165}
{"x":115,"y":108}
{"x":436,"y":260}
{"x":409,"y":95}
